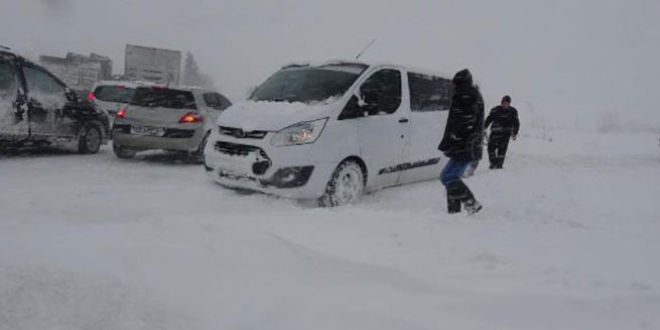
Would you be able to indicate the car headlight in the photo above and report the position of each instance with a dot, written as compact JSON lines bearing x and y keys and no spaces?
{"x":300,"y":133}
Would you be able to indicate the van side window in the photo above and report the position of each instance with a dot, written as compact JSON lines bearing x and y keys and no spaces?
{"x":7,"y":82}
{"x":216,"y":101}
{"x":429,"y":93}
{"x":382,"y":92}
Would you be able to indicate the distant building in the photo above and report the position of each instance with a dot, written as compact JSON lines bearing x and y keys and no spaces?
{"x":152,"y":64}
{"x":79,"y":71}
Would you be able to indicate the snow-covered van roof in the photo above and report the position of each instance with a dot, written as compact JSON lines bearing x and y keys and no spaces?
{"x":329,"y":62}
{"x":8,"y":51}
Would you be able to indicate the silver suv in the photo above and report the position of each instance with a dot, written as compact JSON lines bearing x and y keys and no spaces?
{"x":168,"y":118}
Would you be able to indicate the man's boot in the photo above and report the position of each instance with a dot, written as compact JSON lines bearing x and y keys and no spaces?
{"x":472,"y":206}
{"x":466,"y":196}
{"x":453,"y":199}
{"x":453,"y":205}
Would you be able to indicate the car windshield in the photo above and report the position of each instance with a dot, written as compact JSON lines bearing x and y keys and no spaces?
{"x":308,"y":84}
{"x":118,"y":93}
{"x":163,"y":97}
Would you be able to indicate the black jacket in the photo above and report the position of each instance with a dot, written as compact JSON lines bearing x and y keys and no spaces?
{"x":464,"y":131}
{"x":505,"y":121}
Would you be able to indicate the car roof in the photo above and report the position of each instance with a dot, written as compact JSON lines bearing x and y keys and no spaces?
{"x":132,"y":84}
{"x":182,"y":88}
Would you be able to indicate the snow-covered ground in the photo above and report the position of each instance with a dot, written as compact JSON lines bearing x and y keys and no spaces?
{"x":567,"y":239}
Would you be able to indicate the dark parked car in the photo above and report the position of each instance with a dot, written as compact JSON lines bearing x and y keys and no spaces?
{"x":37,"y":109}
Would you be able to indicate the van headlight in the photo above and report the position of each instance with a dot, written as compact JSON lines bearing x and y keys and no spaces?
{"x":300,"y":133}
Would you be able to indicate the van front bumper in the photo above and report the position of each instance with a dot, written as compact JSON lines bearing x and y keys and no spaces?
{"x":274,"y":173}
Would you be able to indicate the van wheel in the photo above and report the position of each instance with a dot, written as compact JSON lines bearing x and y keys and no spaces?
{"x":345,"y":185}
{"x":123,"y":152}
{"x":90,"y":140}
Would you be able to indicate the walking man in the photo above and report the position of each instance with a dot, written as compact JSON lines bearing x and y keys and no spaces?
{"x":462,"y":142}
{"x":505,"y":126}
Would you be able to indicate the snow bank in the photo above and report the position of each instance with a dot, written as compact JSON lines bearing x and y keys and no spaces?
{"x":567,"y":240}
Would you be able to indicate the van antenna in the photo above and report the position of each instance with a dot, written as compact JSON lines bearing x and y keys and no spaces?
{"x":365,"y":48}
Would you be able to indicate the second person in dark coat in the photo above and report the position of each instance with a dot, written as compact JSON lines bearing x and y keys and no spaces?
{"x":505,"y":126}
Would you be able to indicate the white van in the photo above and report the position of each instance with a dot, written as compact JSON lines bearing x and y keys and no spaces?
{"x":332,"y":132}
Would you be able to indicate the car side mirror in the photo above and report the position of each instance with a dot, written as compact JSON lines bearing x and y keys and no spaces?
{"x":20,"y":107}
{"x":21,"y":100}
{"x":71,"y":95}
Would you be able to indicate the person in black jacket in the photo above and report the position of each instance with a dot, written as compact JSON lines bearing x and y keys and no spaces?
{"x":462,"y":142}
{"x":504,"y":119}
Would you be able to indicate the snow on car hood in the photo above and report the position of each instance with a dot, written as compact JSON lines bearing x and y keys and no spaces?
{"x":271,"y":116}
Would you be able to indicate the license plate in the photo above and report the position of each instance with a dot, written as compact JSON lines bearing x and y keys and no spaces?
{"x":147,"y":130}
{"x":239,"y":164}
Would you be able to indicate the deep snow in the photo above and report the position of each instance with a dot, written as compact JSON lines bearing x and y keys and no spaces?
{"x":567,"y":239}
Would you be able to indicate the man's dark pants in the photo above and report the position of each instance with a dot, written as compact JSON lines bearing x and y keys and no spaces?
{"x":497,"y":146}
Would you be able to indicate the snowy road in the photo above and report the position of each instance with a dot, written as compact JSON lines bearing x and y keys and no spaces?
{"x":568,"y":239}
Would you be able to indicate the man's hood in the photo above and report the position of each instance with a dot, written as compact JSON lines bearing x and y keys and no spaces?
{"x":463,"y":78}
{"x":271,"y":116}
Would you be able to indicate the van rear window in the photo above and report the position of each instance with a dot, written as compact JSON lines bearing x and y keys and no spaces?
{"x":163,"y":97}
{"x":119,"y":94}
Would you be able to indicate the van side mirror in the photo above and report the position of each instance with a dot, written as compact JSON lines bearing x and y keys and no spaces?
{"x":352,"y":109}
{"x":360,"y":98}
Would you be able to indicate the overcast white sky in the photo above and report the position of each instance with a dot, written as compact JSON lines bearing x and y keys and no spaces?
{"x":566,"y":62}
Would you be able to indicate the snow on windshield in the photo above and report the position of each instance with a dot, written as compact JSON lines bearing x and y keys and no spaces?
{"x":308,"y":84}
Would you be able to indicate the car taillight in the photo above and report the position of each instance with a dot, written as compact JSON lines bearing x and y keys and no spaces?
{"x":121,"y":113}
{"x":191,"y":117}
{"x":91,"y":97}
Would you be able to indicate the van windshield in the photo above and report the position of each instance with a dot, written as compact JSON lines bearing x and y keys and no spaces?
{"x":308,"y":84}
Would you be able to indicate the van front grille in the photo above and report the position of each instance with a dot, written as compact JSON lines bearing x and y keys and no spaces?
{"x":241,"y":134}
{"x":234,"y":149}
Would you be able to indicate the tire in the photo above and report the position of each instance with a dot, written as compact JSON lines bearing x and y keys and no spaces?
{"x":198,"y":155}
{"x":345,"y":186}
{"x":122,"y":152}
{"x":90,"y":139}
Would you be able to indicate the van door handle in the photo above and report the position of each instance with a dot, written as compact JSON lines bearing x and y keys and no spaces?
{"x":403,"y":120}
